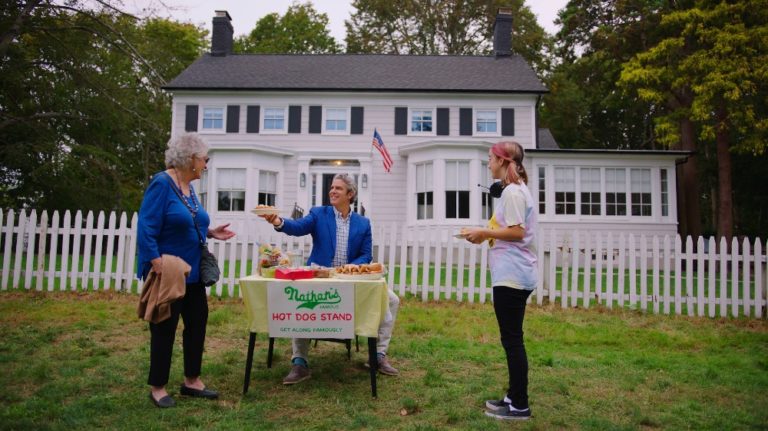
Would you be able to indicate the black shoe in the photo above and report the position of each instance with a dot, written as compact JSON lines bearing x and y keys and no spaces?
{"x":200,"y":393}
{"x":163,"y":402}
{"x":510,"y":414}
{"x":497,"y":406}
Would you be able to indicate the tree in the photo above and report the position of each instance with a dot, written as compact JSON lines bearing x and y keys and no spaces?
{"x":302,"y":30}
{"x":430,"y":27}
{"x":587,"y":109}
{"x":716,"y":55}
{"x":83,"y":120}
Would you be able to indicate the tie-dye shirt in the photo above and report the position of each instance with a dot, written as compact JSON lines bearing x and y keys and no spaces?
{"x":514,"y":263}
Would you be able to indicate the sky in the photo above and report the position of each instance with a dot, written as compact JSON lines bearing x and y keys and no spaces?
{"x":245,"y":13}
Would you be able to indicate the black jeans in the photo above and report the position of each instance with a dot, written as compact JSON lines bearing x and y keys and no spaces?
{"x":193,"y":308}
{"x":509,"y":305}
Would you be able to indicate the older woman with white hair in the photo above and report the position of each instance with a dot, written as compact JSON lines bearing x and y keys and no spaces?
{"x":173,"y":222}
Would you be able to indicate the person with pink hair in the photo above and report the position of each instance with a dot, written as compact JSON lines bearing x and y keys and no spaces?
{"x":511,"y":234}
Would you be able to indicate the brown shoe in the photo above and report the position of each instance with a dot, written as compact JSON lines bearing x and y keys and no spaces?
{"x":298,"y":373}
{"x":386,"y":368}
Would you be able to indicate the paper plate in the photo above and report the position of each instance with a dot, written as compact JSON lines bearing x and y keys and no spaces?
{"x":265,"y":211}
{"x":367,"y":276}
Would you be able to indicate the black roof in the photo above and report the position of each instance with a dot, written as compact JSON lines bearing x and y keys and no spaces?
{"x":359,"y":72}
{"x":546,"y":140}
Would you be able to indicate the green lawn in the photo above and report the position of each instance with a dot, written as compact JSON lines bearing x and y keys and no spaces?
{"x":79,"y":361}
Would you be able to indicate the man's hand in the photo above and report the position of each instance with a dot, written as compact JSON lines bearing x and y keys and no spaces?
{"x":273,"y":219}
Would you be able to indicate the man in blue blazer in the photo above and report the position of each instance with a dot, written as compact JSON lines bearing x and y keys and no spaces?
{"x":339,"y":236}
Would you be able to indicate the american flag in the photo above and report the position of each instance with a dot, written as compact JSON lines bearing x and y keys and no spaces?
{"x":379,"y":144}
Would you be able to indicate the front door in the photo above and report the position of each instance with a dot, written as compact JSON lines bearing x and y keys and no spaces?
{"x":321,"y":185}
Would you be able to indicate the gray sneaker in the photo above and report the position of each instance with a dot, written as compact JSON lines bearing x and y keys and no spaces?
{"x":298,"y":373}
{"x":496,"y":406}
{"x":510,"y":413}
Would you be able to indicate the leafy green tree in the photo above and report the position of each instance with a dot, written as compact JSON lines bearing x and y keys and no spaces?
{"x":716,"y":54}
{"x":83,"y":120}
{"x":302,"y":30}
{"x":587,"y":109}
{"x":430,"y":27}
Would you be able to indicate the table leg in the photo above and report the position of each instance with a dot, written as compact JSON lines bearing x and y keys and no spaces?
{"x":373,"y":360}
{"x":271,"y":349}
{"x":249,"y":362}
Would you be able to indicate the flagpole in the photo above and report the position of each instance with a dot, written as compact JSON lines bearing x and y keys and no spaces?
{"x":374,"y":134}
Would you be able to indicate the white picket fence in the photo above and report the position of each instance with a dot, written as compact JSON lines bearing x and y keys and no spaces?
{"x":658,"y":274}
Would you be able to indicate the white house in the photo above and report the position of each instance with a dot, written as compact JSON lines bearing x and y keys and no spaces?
{"x":280,"y":127}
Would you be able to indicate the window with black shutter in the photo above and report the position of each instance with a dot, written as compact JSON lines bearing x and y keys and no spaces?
{"x":315,"y":119}
{"x":465,"y":121}
{"x":401,"y":121}
{"x":233,"y":118}
{"x":190,"y":120}
{"x":507,"y":121}
{"x":357,"y":120}
{"x":294,"y":119}
{"x":252,"y":119}
{"x":443,"y":121}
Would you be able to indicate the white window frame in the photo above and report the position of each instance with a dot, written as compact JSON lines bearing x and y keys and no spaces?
{"x":581,"y":190}
{"x":627,"y":197}
{"x":262,"y":189}
{"x":486,"y":201}
{"x":433,"y":111}
{"x":202,"y":188}
{"x":219,"y":189}
{"x":475,"y":120}
{"x":428,"y":180}
{"x":573,"y":183}
{"x":456,"y":164}
{"x":265,"y":130}
{"x":347,"y":120}
{"x":664,"y":192}
{"x":201,"y":121}
{"x":636,"y":187}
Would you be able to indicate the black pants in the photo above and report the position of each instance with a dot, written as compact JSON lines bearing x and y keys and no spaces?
{"x":509,"y":305}
{"x":193,"y":308}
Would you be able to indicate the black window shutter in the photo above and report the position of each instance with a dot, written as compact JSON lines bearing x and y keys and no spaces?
{"x":465,"y":121}
{"x":294,"y":119}
{"x":315,"y":119}
{"x":443,"y":125}
{"x":190,"y":121}
{"x":252,"y":119}
{"x":401,"y":121}
{"x":507,"y":122}
{"x":357,"y":120}
{"x":233,"y":118}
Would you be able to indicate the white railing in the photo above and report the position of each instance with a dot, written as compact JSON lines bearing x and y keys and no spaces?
{"x":659,"y":274}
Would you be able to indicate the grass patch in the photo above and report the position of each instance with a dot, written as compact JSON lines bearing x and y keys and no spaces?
{"x":77,"y":360}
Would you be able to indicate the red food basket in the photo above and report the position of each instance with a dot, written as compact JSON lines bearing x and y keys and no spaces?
{"x":293,"y":273}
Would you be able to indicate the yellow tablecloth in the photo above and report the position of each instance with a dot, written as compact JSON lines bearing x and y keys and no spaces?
{"x":371,"y":302}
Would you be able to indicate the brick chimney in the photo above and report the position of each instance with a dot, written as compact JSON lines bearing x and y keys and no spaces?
{"x":502,"y":33}
{"x":221,"y":38}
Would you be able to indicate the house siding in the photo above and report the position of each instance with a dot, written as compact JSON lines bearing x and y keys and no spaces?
{"x":384,"y":198}
{"x":390,"y":197}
